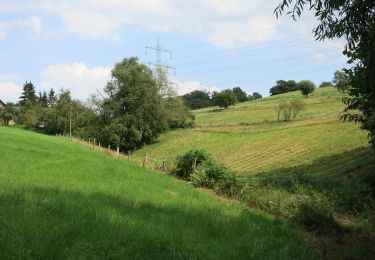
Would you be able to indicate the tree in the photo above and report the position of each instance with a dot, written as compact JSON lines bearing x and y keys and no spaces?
{"x":240,"y":94}
{"x":341,"y":80}
{"x":43,"y":99}
{"x":296,"y":107}
{"x":283,"y":86}
{"x":52,"y":98}
{"x":256,"y":96}
{"x":325,"y":84}
{"x":306,"y":87}
{"x":197,"y":99}
{"x":133,"y":113}
{"x":28,"y":97}
{"x":226,"y":98}
{"x":355,"y":21}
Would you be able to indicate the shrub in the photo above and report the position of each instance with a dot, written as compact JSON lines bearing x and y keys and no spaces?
{"x":207,"y":173}
{"x":314,"y":214}
{"x":184,"y":165}
{"x":354,"y":198}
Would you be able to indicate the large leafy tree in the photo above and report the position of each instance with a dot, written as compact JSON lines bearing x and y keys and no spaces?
{"x":306,"y":87}
{"x":240,"y":94}
{"x":355,"y":21}
{"x":226,"y":98}
{"x":197,"y":99}
{"x":133,"y":112}
{"x":283,"y":86}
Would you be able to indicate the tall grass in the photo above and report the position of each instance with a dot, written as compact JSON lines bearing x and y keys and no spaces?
{"x":59,"y":200}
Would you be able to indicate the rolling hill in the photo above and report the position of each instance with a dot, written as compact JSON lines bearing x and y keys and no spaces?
{"x":61,"y":200}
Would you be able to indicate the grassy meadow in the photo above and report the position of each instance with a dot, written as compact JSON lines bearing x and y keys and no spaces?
{"x":315,"y":159}
{"x":248,"y":139}
{"x":61,"y":200}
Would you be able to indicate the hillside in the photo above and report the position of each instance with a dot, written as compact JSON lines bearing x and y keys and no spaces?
{"x":248,"y":139}
{"x":315,"y":160}
{"x":60,"y":200}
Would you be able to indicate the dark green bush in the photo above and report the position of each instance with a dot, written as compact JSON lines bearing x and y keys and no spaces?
{"x":184,"y":163}
{"x":354,"y":197}
{"x":207,"y":173}
{"x":315,"y":215}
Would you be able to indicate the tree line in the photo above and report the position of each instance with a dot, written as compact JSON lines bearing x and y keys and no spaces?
{"x":340,"y":81}
{"x":136,"y":106}
{"x":198,"y":99}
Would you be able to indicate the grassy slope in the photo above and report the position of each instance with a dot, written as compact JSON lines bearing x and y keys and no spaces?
{"x":264,"y":145}
{"x":280,"y":163}
{"x":59,"y":200}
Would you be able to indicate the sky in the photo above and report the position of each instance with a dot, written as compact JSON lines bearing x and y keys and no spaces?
{"x":214,"y":44}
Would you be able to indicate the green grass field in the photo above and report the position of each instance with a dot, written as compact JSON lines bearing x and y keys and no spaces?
{"x":60,"y":200}
{"x":314,"y":156}
{"x":260,"y":144}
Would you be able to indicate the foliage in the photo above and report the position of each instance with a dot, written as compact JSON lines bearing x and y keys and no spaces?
{"x":240,"y":94}
{"x":186,"y":162}
{"x":326,"y":84}
{"x":256,"y":96}
{"x":197,"y":99}
{"x":178,"y":115}
{"x":314,"y":214}
{"x":307,"y":87}
{"x":226,"y":98}
{"x":8,"y":113}
{"x":28,"y":97}
{"x":354,"y":20}
{"x":289,"y":110}
{"x":283,"y":86}
{"x":341,"y":80}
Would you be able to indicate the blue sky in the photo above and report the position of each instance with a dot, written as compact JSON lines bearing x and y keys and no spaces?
{"x":216,"y":44}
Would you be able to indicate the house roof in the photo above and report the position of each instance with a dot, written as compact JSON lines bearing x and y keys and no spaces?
{"x":2,"y":103}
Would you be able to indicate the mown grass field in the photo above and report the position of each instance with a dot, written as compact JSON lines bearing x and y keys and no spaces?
{"x":315,"y":158}
{"x":250,"y":141}
{"x":60,"y":200}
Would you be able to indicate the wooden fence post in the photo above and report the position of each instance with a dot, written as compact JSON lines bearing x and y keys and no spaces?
{"x":128,"y":155}
{"x":93,"y":144}
{"x":164,"y":166}
{"x":145,"y":160}
{"x":117,"y":153}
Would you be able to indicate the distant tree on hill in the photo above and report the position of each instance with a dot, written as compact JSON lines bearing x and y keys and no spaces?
{"x":197,"y":99}
{"x":325,"y":84}
{"x":240,"y":94}
{"x":307,"y":87}
{"x":43,"y":99}
{"x":341,"y":80}
{"x":283,"y":86}
{"x":52,"y":98}
{"x":226,"y":98}
{"x":256,"y":96}
{"x":28,"y":97}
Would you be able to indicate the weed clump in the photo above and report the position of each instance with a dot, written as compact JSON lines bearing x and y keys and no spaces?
{"x":202,"y":171}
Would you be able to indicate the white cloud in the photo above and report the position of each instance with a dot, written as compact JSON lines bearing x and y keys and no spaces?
{"x":189,"y":86}
{"x":76,"y":77}
{"x":211,"y":20}
{"x":89,"y":24}
{"x":318,"y":56}
{"x":10,"y":92}
{"x":34,"y":22}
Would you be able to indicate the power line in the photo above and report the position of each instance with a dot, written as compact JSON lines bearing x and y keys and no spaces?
{"x":239,"y":35}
